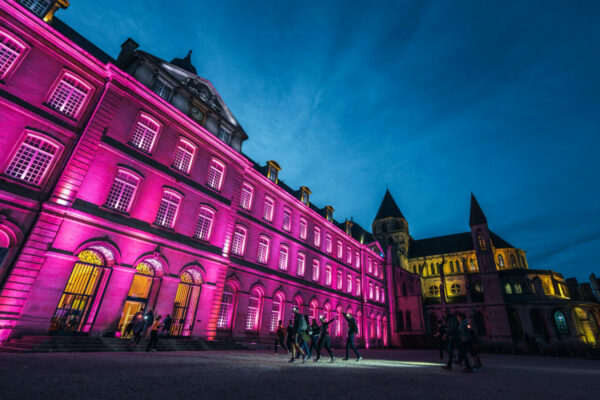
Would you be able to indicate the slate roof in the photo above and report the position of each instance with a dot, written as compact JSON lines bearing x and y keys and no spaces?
{"x":388,"y":208}
{"x":455,"y":243}
{"x":82,"y":42}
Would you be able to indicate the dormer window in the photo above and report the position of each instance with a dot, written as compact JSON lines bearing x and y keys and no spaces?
{"x":38,"y":7}
{"x":224,"y":134}
{"x":304,"y":195}
{"x":329,"y":213}
{"x":162,"y":89}
{"x":273,"y":170}
{"x":349,"y":224}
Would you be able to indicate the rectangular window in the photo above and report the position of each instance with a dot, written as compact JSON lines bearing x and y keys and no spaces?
{"x":162,"y":89}
{"x":216,"y":171}
{"x":370,"y":265}
{"x":287,"y":220}
{"x":315,"y":270}
{"x":339,"y":281}
{"x":252,"y":317}
{"x":275,"y":314}
{"x":122,"y":191}
{"x":328,"y":275}
{"x":300,"y":264}
{"x":340,"y":249}
{"x":382,"y":297}
{"x":145,"y":133}
{"x":238,"y":244}
{"x":370,"y":290}
{"x":348,"y":255}
{"x":376,"y":293}
{"x":224,"y":134}
{"x":303,"y":228}
{"x":317,"y":236}
{"x":38,"y":7}
{"x":263,"y":250}
{"x":226,"y":308}
{"x":246,"y":196}
{"x":328,"y":243}
{"x":357,"y":289}
{"x":204,"y":224}
{"x":283,"y":258}
{"x":167,"y":210}
{"x":10,"y":50}
{"x":349,"y":283}
{"x":69,"y":96}
{"x":184,"y":156}
{"x":357,"y":259}
{"x":32,"y":160}
{"x":268,"y":210}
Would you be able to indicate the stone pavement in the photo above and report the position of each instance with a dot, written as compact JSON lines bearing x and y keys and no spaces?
{"x":245,"y":375}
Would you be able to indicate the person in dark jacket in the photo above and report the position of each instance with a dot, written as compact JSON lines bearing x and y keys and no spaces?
{"x":299,"y":327}
{"x":440,"y":334}
{"x":452,"y":336}
{"x":467,"y":338}
{"x":306,"y":335}
{"x":166,"y":325}
{"x":148,"y":320}
{"x":290,"y":335}
{"x":352,"y":330}
{"x":138,"y":332}
{"x":325,"y":340}
{"x":153,"y":332}
{"x":280,"y":337}
{"x":314,"y":336}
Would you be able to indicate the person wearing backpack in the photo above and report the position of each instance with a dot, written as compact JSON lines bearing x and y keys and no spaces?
{"x":352,"y":330}
{"x":467,"y":338}
{"x":298,"y":327}
{"x":452,"y":336}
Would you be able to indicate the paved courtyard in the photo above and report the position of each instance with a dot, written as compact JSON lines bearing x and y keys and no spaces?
{"x":260,"y":375}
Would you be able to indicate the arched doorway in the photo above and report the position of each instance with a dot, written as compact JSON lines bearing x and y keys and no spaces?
{"x":78,"y":304}
{"x":588,"y":329}
{"x":186,"y":302}
{"x":227,"y":307}
{"x":142,"y":289}
{"x":538,"y":322}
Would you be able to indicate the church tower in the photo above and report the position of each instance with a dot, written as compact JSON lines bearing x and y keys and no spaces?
{"x":390,"y":228}
{"x":498,"y":325}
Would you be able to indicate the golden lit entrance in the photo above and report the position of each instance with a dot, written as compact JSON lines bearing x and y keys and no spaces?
{"x":137,"y":298}
{"x":186,"y":302}
{"x":73,"y":313}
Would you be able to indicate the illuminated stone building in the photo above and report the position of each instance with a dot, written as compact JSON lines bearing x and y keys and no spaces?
{"x":123,"y":187}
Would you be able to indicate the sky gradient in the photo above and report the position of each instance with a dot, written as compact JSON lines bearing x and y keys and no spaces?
{"x":434,"y":100}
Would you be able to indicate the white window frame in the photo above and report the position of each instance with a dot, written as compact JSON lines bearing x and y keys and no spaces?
{"x":300,"y":264}
{"x":120,"y":178}
{"x":206,"y":216}
{"x":316,"y":266}
{"x":216,"y":174}
{"x":339,"y":280}
{"x":262,"y":254}
{"x":286,"y":223}
{"x":303,"y":228}
{"x":328,"y":271}
{"x":239,"y":233}
{"x":284,"y":252}
{"x":328,"y":243}
{"x":357,"y":259}
{"x":142,"y":129}
{"x":340,"y":249}
{"x":246,"y":196}
{"x":12,"y":51}
{"x":357,"y":287}
{"x":53,"y":97}
{"x":317,"y":236}
{"x":168,"y":209}
{"x":182,"y":154}
{"x":162,"y":88}
{"x":33,"y":159}
{"x":224,"y":134}
{"x":348,"y":255}
{"x":226,"y":308}
{"x":252,"y":318}
{"x":268,"y":209}
{"x":349,"y":283}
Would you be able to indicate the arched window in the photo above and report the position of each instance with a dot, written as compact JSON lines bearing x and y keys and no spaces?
{"x":359,"y":324}
{"x":78,"y":304}
{"x":313,"y":310}
{"x":263,"y":250}
{"x":298,"y":303}
{"x":315,"y":269}
{"x":286,"y":224}
{"x":373,"y":328}
{"x":33,"y":159}
{"x":303,"y":228}
{"x":238,"y":244}
{"x":70,"y":95}
{"x":186,"y":302}
{"x":513,"y":261}
{"x":338,"y":322}
{"x":472,"y":264}
{"x":145,"y":132}
{"x":123,"y":189}
{"x":168,"y":209}
{"x":254,"y":308}
{"x":216,"y":173}
{"x":385,"y":331}
{"x":327,"y":312}
{"x":283,"y":257}
{"x":518,"y":288}
{"x":507,"y":288}
{"x":481,"y":240}
{"x":246,"y":196}
{"x":501,"y":261}
{"x":379,"y":327}
{"x":12,"y":51}
{"x":226,"y":308}
{"x":276,"y":311}
{"x":184,"y":156}
{"x":205,"y":224}
{"x":268,"y":209}
{"x":300,"y":264}
{"x":561,"y":323}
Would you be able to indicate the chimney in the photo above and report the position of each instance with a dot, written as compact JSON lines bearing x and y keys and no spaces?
{"x":127,"y":49}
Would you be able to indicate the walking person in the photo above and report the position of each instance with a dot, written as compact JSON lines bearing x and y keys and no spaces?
{"x":352,"y":330}
{"x":149,"y":320}
{"x":306,"y":334}
{"x":138,"y":331}
{"x":290,"y":335}
{"x":314,"y":336}
{"x":467,"y":339}
{"x":166,"y":325}
{"x":153,"y":331}
{"x":440,"y":334}
{"x":280,"y":337}
{"x":299,"y":327}
{"x":453,"y":337}
{"x":325,"y":340}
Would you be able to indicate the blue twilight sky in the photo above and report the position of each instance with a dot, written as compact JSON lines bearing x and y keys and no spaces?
{"x":433,"y":98}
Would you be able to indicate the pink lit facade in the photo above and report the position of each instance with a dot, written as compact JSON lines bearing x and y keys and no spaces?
{"x":123,"y":188}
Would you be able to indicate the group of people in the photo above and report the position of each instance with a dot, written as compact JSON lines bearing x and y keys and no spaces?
{"x":147,"y":325}
{"x":305,"y":339}
{"x":456,"y":333}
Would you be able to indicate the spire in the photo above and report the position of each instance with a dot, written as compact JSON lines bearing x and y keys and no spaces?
{"x":477,"y":216}
{"x":185,"y":63}
{"x":388,"y":208}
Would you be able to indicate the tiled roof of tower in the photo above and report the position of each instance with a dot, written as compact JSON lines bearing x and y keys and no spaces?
{"x":455,"y":243}
{"x":388,"y":208}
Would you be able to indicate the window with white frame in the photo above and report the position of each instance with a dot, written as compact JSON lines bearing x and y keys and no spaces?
{"x":382,"y":296}
{"x":370,"y":290}
{"x":357,"y":287}
{"x":276,"y":313}
{"x":300,"y":264}
{"x":162,"y":88}
{"x":11,"y":49}
{"x":224,"y":134}
{"x":205,"y":223}
{"x":145,"y":133}
{"x":238,"y":243}
{"x":122,"y":191}
{"x":315,"y":270}
{"x":340,"y":249}
{"x":370,"y":265}
{"x":226,"y":308}
{"x":184,"y":156}
{"x":376,"y":293}
{"x":328,"y":243}
{"x":283,"y":257}
{"x":286,"y":225}
{"x":38,"y":7}
{"x":317,"y":236}
{"x":253,"y":311}
{"x":348,"y":255}
{"x":339,"y":280}
{"x":263,"y":250}
{"x":303,"y":228}
{"x":33,"y":159}
{"x":375,"y":269}
{"x":357,"y":259}
{"x":268,"y":209}
{"x":167,"y":210}
{"x":69,"y":95}
{"x":216,"y":172}
{"x":328,"y":274}
{"x":246,"y":196}
{"x":349,"y":283}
